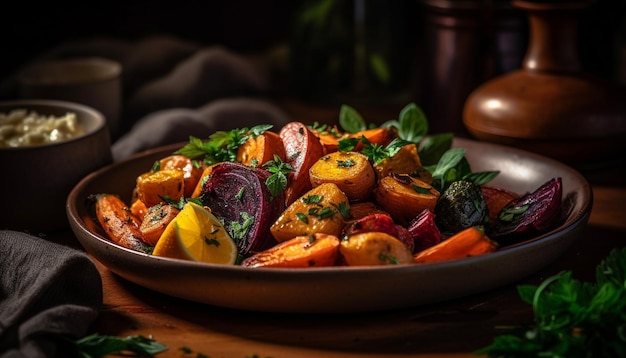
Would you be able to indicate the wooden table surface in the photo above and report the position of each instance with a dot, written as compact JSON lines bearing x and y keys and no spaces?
{"x":449,"y":329}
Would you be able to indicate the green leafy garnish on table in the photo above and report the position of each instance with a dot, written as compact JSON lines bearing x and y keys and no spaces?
{"x":98,"y":345}
{"x":572,"y":318}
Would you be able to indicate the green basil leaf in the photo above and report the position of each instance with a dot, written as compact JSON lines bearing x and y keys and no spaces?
{"x":350,"y":120}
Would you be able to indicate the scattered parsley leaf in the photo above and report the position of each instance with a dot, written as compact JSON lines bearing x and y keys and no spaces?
{"x":277,"y":182}
{"x":571,"y":318}
{"x":97,"y":346}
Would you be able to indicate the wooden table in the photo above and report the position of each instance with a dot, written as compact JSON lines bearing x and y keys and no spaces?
{"x":449,"y":329}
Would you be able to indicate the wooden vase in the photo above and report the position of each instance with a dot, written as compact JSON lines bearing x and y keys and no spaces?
{"x":551,"y":105}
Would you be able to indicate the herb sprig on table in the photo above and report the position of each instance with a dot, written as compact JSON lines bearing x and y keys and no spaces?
{"x":572,"y":318}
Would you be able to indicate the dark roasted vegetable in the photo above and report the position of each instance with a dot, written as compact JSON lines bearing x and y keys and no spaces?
{"x":424,"y":231}
{"x":461,"y":205}
{"x":529,"y":215}
{"x":238,"y":196}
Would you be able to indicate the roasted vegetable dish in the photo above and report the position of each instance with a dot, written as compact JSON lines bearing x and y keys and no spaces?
{"x":316,"y":195}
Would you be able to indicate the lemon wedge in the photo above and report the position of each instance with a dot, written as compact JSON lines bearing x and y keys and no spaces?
{"x":196,"y":234}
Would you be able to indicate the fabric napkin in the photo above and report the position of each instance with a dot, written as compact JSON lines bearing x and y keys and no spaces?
{"x":47,"y":291}
{"x":175,"y":125}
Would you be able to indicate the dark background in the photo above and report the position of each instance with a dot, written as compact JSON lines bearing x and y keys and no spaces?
{"x":255,"y":27}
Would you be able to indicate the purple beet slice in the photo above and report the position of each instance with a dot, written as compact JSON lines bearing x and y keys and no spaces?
{"x":238,"y":196}
{"x":424,"y":231}
{"x":530,"y":215}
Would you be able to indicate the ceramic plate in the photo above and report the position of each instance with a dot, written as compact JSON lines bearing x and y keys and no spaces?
{"x":339,"y":289}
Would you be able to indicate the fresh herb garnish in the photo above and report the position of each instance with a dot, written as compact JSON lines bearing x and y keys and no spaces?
{"x":302,"y":217}
{"x":222,"y":146}
{"x":350,"y":120}
{"x":156,"y":166}
{"x":387,"y":258}
{"x":211,"y":241}
{"x":277,"y":182}
{"x":453,"y":166}
{"x":345,"y":163}
{"x":312,"y":199}
{"x":572,"y":318}
{"x":97,"y":346}
{"x":238,"y":230}
{"x":180,"y":203}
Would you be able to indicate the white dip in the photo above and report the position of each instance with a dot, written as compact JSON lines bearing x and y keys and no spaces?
{"x":21,"y":128}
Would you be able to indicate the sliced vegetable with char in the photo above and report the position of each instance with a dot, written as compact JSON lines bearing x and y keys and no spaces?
{"x":404,"y":196}
{"x":118,"y":222}
{"x":405,"y":161}
{"x":238,"y":195}
{"x":302,"y":149}
{"x":155,"y":221}
{"x":315,"y":250}
{"x":350,"y":171}
{"x":260,"y":149}
{"x":322,"y":209}
{"x":192,"y":170}
{"x":154,"y":187}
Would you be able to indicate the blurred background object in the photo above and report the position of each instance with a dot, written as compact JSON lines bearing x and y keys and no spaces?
{"x":551,"y":105}
{"x":433,"y":52}
{"x":92,"y":81}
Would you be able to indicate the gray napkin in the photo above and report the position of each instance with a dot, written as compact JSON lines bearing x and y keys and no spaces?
{"x":47,"y":291}
{"x":175,"y":125}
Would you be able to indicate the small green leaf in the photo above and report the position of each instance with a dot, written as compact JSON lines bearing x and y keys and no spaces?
{"x":350,"y":120}
{"x":413,"y":123}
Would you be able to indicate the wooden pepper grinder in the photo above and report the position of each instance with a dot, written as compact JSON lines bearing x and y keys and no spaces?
{"x":550,"y":105}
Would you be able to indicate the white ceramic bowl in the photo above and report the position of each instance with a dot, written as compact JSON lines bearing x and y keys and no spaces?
{"x":36,"y":180}
{"x":339,"y":289}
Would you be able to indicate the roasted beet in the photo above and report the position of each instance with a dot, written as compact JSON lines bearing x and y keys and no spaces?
{"x":531,"y":214}
{"x":424,"y":231}
{"x":238,"y":196}
{"x":380,"y":222}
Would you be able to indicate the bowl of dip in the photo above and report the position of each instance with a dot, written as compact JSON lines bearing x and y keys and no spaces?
{"x":46,"y":147}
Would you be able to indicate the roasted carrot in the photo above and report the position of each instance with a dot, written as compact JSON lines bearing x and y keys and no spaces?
{"x":302,"y":149}
{"x":139,"y":209}
{"x":152,"y":187}
{"x":203,"y":178}
{"x":315,"y":250}
{"x":329,"y":137}
{"x":260,"y":149}
{"x":404,"y":197}
{"x":381,"y":136}
{"x":155,"y":221}
{"x":350,"y":171}
{"x":468,"y":242}
{"x":405,"y":161}
{"x":192,"y":170}
{"x":120,"y":225}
